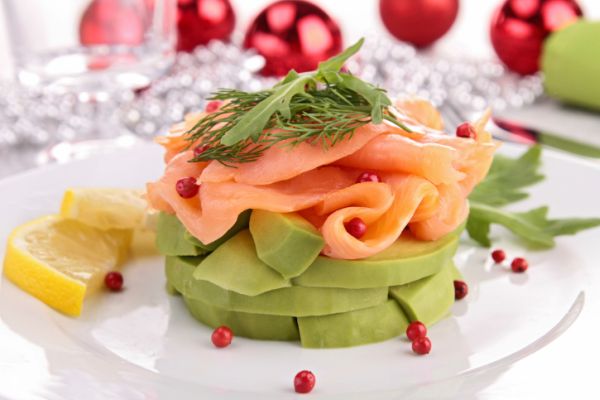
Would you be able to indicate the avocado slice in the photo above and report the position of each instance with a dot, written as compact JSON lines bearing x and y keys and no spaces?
{"x":353,"y":328}
{"x":234,"y":266}
{"x":429,"y":299}
{"x":179,"y":272}
{"x":290,"y":301}
{"x":285,"y":242}
{"x":241,"y":223}
{"x":170,"y":237}
{"x":253,"y":326}
{"x":407,"y":260}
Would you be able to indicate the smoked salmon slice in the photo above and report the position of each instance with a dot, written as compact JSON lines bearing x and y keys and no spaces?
{"x":281,"y":163}
{"x":426,"y":177}
{"x":394,"y":152}
{"x":386,"y":211}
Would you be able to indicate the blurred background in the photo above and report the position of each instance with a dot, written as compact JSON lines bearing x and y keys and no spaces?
{"x":81,"y":76}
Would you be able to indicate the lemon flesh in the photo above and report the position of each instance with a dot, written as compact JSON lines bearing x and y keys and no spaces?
{"x":105,"y":208}
{"x":61,"y":261}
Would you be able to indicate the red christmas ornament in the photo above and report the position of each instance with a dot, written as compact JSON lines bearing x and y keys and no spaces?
{"x":111,"y":22}
{"x":200,"y":21}
{"x":519,"y":27}
{"x":420,"y":22}
{"x":293,"y":34}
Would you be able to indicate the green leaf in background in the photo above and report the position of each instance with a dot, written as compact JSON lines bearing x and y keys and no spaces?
{"x":533,"y":227}
{"x":507,"y":177}
{"x":503,"y":185}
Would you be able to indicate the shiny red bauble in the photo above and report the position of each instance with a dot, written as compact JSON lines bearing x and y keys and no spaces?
{"x":519,"y":27}
{"x":200,"y":21}
{"x":112,"y":22}
{"x":420,"y":22}
{"x":293,"y":34}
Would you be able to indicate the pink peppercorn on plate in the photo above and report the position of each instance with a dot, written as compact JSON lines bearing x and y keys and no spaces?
{"x":141,"y":342}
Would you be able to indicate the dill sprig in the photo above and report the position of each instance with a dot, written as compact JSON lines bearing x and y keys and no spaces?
{"x":323,"y":107}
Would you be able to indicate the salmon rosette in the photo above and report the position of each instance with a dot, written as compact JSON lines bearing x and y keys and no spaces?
{"x":316,"y":210}
{"x":420,"y":181}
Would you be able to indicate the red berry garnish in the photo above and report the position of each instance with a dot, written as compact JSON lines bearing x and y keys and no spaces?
{"x":498,"y":256}
{"x":416,"y":329}
{"x":304,"y":382}
{"x":466,"y":130}
{"x":213,"y":106}
{"x":461,"y":289}
{"x":421,"y":345}
{"x":114,"y":281}
{"x":368,"y":177}
{"x":356,"y":227}
{"x":200,"y":149}
{"x":519,"y":264}
{"x":222,"y":336}
{"x":187,"y":187}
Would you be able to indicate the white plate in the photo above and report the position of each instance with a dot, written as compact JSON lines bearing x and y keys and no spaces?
{"x":142,"y":344}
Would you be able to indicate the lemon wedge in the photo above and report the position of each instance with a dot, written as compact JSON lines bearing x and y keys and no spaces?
{"x":105,"y":208}
{"x":61,"y":261}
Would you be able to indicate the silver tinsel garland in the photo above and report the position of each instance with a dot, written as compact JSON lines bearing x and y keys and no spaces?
{"x":33,"y":117}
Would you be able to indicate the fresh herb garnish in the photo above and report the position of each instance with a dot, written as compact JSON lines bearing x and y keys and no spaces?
{"x":502,"y":186}
{"x":322,"y":107}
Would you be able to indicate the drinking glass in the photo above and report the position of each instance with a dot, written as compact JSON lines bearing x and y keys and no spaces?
{"x":90,"y":55}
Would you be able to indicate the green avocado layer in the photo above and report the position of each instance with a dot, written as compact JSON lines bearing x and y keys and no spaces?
{"x":255,"y":326}
{"x":333,"y":303}
{"x":235,"y":266}
{"x":354,"y":328}
{"x":407,"y":260}
{"x":170,"y":239}
{"x":429,"y":299}
{"x":290,"y":301}
{"x":241,"y":223}
{"x":286,"y":242}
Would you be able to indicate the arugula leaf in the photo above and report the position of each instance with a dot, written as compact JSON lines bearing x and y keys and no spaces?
{"x":256,"y":119}
{"x":336,"y":63}
{"x":533,"y":226}
{"x":507,"y":177}
{"x":503,"y":185}
{"x":374,"y":96}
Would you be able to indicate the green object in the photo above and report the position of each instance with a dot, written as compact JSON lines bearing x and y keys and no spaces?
{"x":507,"y":177}
{"x":504,"y":185}
{"x":170,"y":237}
{"x":251,"y":122}
{"x":285,"y":242}
{"x":533,"y":227}
{"x":568,"y":145}
{"x":241,"y":223}
{"x":354,"y":328}
{"x":407,"y":260}
{"x":253,"y":326}
{"x":291,"y":301}
{"x":571,"y":64}
{"x":234,"y":266}
{"x":429,"y":299}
